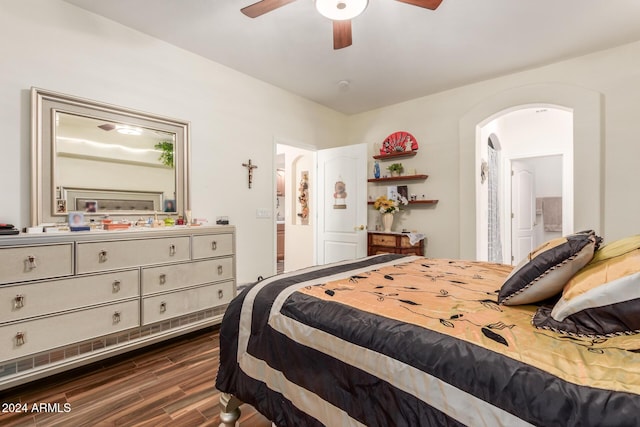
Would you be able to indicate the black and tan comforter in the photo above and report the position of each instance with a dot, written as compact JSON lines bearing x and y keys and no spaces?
{"x":390,"y":341}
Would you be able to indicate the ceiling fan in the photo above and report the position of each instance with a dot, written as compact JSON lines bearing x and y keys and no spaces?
{"x":339,"y":11}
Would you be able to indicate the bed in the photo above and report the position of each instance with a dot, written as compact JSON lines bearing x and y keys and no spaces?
{"x":391,"y":340}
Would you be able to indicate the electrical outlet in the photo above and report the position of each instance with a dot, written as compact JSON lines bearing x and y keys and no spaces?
{"x":263,"y":213}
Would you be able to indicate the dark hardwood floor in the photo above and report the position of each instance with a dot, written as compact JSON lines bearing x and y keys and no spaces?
{"x":168,"y":384}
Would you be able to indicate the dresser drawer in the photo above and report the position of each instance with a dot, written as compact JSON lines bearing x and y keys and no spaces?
{"x":33,"y":336}
{"x":166,"y":306}
{"x":176,"y":276}
{"x":212,"y":245}
{"x":23,"y":263}
{"x":109,"y":255}
{"x":406,"y":243}
{"x":37,"y":299}
{"x":383,"y":240}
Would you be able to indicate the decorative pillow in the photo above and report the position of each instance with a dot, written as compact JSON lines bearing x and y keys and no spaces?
{"x":603,"y":299}
{"x":548,"y":268}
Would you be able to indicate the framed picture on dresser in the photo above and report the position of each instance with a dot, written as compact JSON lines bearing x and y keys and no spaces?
{"x":76,"y":218}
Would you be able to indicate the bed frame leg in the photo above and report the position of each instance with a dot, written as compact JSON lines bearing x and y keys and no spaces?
{"x":229,"y":410}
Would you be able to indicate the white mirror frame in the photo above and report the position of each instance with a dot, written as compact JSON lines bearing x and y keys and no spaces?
{"x":44,"y":105}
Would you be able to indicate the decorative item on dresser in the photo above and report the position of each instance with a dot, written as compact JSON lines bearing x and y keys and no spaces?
{"x":81,"y":297}
{"x":394,"y":243}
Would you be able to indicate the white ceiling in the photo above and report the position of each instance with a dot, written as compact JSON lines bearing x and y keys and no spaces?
{"x":399,"y":51}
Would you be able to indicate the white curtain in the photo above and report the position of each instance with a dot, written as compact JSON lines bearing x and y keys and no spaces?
{"x":495,"y":240}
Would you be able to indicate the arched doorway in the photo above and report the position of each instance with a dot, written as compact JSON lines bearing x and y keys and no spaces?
{"x":526,"y":190}
{"x":587,"y":135}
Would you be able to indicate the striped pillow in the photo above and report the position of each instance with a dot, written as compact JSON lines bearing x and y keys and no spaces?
{"x":548,"y":268}
{"x":603,"y":299}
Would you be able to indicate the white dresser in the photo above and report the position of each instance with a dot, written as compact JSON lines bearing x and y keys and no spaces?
{"x":73,"y":298}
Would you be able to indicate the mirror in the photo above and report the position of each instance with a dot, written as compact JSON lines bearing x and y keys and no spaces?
{"x":101,"y":159}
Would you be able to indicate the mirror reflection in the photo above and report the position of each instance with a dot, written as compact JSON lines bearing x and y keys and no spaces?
{"x":103,"y":166}
{"x":102,"y":159}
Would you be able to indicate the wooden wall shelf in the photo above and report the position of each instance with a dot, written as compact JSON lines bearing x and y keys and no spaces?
{"x":398,"y":178}
{"x":395,"y":155}
{"x":415,"y":202}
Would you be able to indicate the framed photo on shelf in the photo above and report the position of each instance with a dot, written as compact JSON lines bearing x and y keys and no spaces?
{"x":403,"y":191}
{"x":392,"y":192}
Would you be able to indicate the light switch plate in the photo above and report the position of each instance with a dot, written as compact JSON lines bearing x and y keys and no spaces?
{"x":263,"y":213}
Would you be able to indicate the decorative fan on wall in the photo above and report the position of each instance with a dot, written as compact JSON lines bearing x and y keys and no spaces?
{"x":339,"y":11}
{"x":398,"y":142}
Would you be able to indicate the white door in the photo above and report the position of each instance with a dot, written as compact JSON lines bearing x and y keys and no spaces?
{"x":342,"y":203}
{"x":522,"y":211}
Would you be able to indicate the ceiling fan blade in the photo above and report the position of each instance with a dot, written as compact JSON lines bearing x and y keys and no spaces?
{"x":341,"y":34}
{"x":427,"y":4}
{"x":263,"y":6}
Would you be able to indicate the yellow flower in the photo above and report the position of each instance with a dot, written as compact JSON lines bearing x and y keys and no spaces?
{"x":385,"y":205}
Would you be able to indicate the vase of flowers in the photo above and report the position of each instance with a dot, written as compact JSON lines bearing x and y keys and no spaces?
{"x":387,"y":207}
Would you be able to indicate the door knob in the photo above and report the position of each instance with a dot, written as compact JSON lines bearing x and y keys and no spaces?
{"x":360,"y":227}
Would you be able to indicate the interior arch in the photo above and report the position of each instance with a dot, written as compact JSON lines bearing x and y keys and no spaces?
{"x":587,"y":164}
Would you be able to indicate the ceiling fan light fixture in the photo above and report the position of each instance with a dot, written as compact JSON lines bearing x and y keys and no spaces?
{"x":341,"y":10}
{"x":128,"y":130}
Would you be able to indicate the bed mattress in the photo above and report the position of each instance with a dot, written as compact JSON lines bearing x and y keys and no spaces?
{"x":408,"y":341}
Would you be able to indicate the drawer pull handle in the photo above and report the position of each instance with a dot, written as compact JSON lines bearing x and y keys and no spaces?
{"x":163,"y":279}
{"x":214,"y":245}
{"x":116,"y":286}
{"x":18,"y":301}
{"x":219,"y":269}
{"x":220,"y":294}
{"x":31,"y":262}
{"x":172,"y":249}
{"x":116,"y":317}
{"x":102,"y":256}
{"x":20,"y":338}
{"x":163,"y":307}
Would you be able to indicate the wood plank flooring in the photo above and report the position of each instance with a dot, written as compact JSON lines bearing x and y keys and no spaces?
{"x":167,"y":384}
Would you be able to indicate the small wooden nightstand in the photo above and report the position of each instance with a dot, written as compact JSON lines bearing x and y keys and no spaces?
{"x":379,"y":242}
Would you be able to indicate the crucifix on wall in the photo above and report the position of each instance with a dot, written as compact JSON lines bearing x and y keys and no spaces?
{"x":250,"y":167}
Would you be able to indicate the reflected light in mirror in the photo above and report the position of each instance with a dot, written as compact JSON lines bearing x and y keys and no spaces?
{"x":128,"y":130}
{"x":97,"y":144}
{"x":94,"y":155}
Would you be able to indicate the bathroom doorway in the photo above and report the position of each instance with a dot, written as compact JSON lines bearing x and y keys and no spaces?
{"x":295,"y":171}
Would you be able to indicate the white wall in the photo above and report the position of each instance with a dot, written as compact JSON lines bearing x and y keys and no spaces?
{"x":610,"y":79}
{"x":53,"y":45}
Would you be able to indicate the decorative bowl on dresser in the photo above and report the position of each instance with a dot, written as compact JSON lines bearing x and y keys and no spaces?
{"x":73,"y":298}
